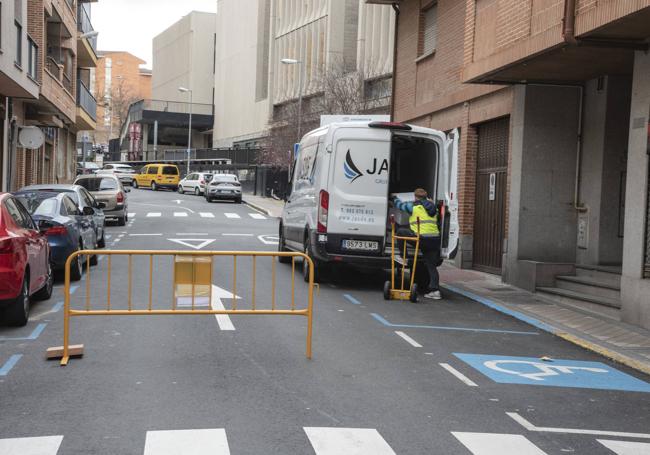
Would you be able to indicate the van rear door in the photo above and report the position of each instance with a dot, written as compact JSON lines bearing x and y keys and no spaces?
{"x":448,"y":193}
{"x":358,"y":191}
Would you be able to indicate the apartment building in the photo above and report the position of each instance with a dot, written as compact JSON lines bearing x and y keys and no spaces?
{"x":552,"y":99}
{"x":56,"y":52}
{"x":119,"y":81}
{"x":253,"y":87}
{"x":183,"y":56}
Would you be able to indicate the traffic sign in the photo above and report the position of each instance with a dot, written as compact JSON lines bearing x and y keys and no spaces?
{"x":553,"y":373}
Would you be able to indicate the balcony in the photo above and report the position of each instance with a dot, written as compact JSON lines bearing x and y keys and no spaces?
{"x":86,"y":108}
{"x":86,"y":47}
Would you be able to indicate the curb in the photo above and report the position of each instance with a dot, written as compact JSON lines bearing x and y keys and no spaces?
{"x":259,"y":208}
{"x":576,"y":340}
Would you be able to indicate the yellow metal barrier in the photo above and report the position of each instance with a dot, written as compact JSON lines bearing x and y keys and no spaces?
{"x":192,"y":279}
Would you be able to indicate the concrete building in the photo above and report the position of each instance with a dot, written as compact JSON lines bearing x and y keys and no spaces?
{"x":119,"y":82}
{"x":552,"y":99}
{"x":55,"y":52}
{"x":183,"y":56}
{"x":252,"y":86}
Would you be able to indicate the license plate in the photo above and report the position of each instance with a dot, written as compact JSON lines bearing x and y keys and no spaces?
{"x":360,"y":245}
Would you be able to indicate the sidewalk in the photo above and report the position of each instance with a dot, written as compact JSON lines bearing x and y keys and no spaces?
{"x":271,"y":207}
{"x":621,"y":342}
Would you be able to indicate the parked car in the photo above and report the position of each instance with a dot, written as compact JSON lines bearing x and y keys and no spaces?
{"x":157,"y":176}
{"x":224,"y":186}
{"x":66,"y":228}
{"x":87,"y":168}
{"x":25,"y":271}
{"x":124,"y":172}
{"x":109,"y":190}
{"x":342,"y":178}
{"x":195,"y":183}
{"x":83,"y":199}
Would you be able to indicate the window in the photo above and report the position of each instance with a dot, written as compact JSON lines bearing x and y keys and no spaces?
{"x":71,"y":207}
{"x":32,"y":65}
{"x":17,"y":214}
{"x":19,"y":44}
{"x":428,"y":29}
{"x":170,"y":170}
{"x":98,"y":184}
{"x":152,"y":170}
{"x":88,"y":199}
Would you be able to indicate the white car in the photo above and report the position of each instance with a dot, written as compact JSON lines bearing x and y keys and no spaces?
{"x":194,"y":183}
{"x":342,"y":178}
{"x":124,"y":172}
{"x":224,"y":186}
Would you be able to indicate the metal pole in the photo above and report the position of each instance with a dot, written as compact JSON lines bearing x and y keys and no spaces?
{"x":155,"y":140}
{"x":189,"y":137}
{"x":301,"y":67}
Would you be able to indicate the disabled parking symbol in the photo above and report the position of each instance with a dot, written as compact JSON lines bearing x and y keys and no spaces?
{"x":555,"y":373}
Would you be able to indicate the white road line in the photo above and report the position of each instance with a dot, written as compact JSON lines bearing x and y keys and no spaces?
{"x":237,"y":235}
{"x":458,"y":374}
{"x":257,"y":216}
{"x":232,"y":215}
{"x":497,"y":444}
{"x":206,"y":215}
{"x":46,"y":445}
{"x":348,"y":441}
{"x":222,"y":319}
{"x":154,"y":215}
{"x":132,"y":214}
{"x":626,"y":447}
{"x":143,"y":235}
{"x":408,"y":339}
{"x":191,"y":233}
{"x":187,"y":442}
{"x":180,"y":213}
{"x":616,"y":434}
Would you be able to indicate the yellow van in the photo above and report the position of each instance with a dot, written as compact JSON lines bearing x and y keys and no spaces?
{"x":156,"y":176}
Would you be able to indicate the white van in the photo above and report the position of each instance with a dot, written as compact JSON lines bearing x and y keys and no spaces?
{"x":337,"y":210}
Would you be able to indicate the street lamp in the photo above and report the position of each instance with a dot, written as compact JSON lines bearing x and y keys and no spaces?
{"x":189,"y":133}
{"x":293,"y":61}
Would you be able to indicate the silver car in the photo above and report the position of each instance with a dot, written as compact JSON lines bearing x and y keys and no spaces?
{"x":224,"y":186}
{"x":108,"y":189}
{"x":124,"y":172}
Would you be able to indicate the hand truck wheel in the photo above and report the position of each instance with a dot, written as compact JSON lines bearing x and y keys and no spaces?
{"x":387,"y":286}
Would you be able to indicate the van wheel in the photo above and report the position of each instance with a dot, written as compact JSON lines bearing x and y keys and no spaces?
{"x":305,"y":264}
{"x":282,"y":248}
{"x":17,"y":313}
{"x":154,"y":187}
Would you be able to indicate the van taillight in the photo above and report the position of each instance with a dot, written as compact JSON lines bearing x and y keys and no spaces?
{"x":323,"y":208}
{"x":120,"y":197}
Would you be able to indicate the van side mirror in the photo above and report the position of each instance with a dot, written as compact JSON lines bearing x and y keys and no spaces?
{"x":88,"y":211}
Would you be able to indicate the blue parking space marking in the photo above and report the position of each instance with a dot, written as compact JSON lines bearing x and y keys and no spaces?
{"x":9,"y":364}
{"x":32,"y":336}
{"x":458,"y":329}
{"x":351,"y":299}
{"x":555,"y":373}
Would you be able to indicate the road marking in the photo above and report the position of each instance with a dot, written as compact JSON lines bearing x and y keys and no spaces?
{"x":191,"y":233}
{"x":232,"y":215}
{"x":154,"y":215}
{"x":178,"y":201}
{"x":408,"y":339}
{"x":237,"y":235}
{"x":257,"y":216}
{"x":554,"y":373}
{"x":34,"y":335}
{"x":46,"y":445}
{"x":530,"y":427}
{"x":186,"y":302}
{"x":180,"y":214}
{"x":222,"y":319}
{"x":497,"y":444}
{"x":348,"y":441}
{"x":460,"y":329}
{"x":626,"y":447}
{"x":458,"y":374}
{"x":73,"y":288}
{"x":120,"y":236}
{"x":9,"y":364}
{"x":200,"y":243}
{"x":131,"y":214}
{"x":144,"y":235}
{"x":351,"y":299}
{"x":211,"y":441}
{"x":206,"y":215}
{"x":55,"y":309}
{"x":269,"y":239}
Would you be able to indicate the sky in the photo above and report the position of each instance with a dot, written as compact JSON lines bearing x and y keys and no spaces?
{"x":130,"y":25}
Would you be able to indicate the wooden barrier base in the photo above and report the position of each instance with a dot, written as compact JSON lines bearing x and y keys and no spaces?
{"x":56,"y":352}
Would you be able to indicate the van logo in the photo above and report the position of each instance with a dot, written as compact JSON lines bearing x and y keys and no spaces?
{"x":352,"y":172}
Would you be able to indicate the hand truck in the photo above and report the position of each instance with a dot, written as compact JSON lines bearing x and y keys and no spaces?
{"x":390,"y":292}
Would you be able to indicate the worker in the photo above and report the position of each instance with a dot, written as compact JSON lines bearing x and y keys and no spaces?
{"x":427,"y":213}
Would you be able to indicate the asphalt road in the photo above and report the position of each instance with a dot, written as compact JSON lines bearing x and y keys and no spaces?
{"x":386,"y":377}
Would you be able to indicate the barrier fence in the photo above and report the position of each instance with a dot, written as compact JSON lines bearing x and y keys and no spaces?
{"x":191,"y":288}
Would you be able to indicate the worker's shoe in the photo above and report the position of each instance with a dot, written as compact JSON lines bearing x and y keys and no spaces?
{"x":399,"y":259}
{"x":434,"y":295}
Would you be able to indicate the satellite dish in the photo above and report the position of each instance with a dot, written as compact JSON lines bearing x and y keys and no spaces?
{"x":31,"y":137}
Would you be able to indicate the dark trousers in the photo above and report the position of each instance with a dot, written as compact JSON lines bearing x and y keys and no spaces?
{"x":430,"y":247}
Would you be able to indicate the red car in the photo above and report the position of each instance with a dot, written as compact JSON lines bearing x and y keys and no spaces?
{"x":25,"y":271}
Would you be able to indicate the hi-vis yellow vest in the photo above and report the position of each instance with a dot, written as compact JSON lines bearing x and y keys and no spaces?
{"x":428,"y":224}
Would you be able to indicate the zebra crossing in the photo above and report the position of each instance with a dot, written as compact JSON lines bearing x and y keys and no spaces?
{"x":323,"y":441}
{"x":207,"y":215}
